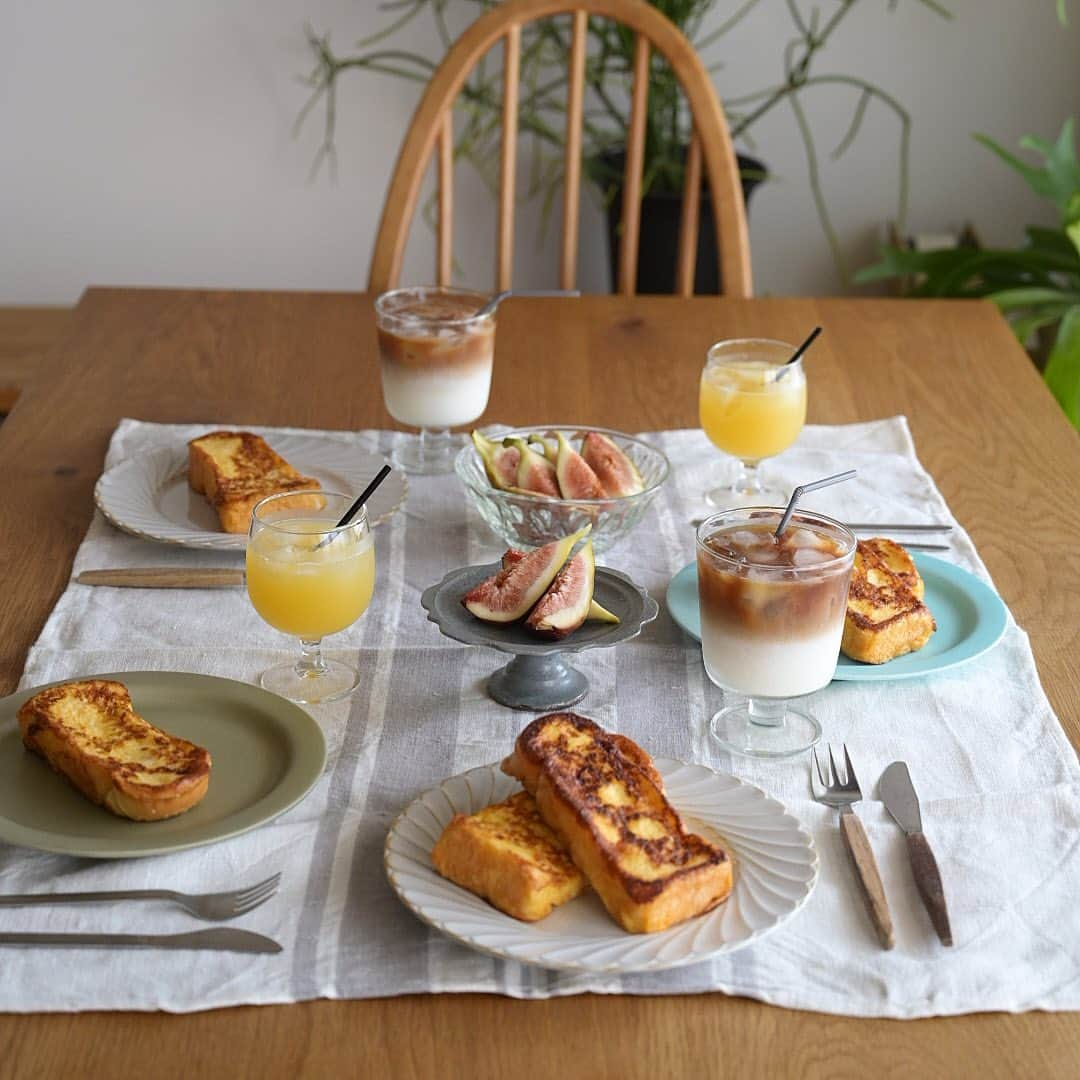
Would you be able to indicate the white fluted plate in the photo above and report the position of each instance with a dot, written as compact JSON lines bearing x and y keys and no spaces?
{"x":775,"y":864}
{"x":148,"y":495}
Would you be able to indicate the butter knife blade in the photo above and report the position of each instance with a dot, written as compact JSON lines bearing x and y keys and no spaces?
{"x":898,"y":794}
{"x":165,"y":577}
{"x":224,"y":938}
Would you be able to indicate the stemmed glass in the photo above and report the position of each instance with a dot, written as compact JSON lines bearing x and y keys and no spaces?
{"x":752,"y":405}
{"x":436,"y":356}
{"x":772,"y":616}
{"x":308,"y":577}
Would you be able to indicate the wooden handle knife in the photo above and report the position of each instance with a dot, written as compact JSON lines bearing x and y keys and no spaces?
{"x":165,"y":577}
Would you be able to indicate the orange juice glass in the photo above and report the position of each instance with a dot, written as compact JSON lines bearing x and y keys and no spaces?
{"x":752,"y":405}
{"x":309,"y":577}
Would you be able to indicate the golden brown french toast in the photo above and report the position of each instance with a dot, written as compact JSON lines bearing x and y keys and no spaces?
{"x":90,"y":734}
{"x":235,"y":469}
{"x":885,"y":616}
{"x":509,"y":857}
{"x":602,"y":795}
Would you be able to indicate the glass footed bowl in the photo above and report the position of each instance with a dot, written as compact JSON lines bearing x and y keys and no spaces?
{"x":529,"y":521}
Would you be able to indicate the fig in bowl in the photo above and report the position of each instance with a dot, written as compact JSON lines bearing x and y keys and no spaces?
{"x":538,"y":484}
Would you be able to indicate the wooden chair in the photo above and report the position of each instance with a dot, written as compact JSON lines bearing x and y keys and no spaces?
{"x":432,"y":125}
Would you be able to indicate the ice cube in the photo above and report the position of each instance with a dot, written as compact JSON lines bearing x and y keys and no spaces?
{"x":809,"y":557}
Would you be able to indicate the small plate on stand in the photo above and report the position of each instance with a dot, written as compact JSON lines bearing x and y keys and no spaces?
{"x":538,"y":678}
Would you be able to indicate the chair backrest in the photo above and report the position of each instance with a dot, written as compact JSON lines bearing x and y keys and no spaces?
{"x":433,"y":124}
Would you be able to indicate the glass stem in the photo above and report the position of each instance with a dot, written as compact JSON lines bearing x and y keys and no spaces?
{"x":749,"y":480}
{"x":434,"y":443}
{"x":311,"y":664}
{"x":767,"y":712}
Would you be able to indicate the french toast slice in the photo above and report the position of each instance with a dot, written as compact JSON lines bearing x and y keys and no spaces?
{"x":886,"y":616}
{"x":235,"y":469}
{"x":89,"y":732}
{"x":509,"y":857}
{"x":602,"y":795}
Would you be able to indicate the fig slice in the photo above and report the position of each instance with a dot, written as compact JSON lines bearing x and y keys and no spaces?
{"x":565,"y":605}
{"x":516,"y":588}
{"x":551,"y":448}
{"x":500,"y":462}
{"x":576,"y":479}
{"x":535,"y":474}
{"x":616,"y":472}
{"x":597,"y":612}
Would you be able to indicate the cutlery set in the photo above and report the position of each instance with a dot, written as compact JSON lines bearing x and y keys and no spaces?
{"x":211,"y":907}
{"x":898,"y":794}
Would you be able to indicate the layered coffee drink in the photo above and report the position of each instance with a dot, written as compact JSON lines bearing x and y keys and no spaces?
{"x":436,"y":355}
{"x":772,"y":609}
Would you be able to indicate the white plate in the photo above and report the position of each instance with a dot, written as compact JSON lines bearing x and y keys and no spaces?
{"x":149,"y":496}
{"x":775,"y":864}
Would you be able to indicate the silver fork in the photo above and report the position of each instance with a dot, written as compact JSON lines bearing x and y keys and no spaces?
{"x":833,"y":790}
{"x":213,"y":907}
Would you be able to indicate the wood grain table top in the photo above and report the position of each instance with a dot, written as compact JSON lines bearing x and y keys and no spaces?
{"x":984,"y":426}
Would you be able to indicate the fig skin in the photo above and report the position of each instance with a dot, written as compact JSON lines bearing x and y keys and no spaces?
{"x":574,"y":474}
{"x":615,"y":471}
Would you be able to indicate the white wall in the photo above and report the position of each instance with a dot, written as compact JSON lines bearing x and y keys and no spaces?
{"x":149,"y":142}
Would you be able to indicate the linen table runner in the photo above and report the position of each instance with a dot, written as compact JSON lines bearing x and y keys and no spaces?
{"x":999,"y":782}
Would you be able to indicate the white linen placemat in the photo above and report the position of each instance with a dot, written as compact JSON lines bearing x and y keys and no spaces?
{"x":999,"y":782}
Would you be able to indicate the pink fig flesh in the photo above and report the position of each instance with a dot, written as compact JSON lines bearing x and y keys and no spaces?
{"x":535,"y":473}
{"x":576,"y":478}
{"x":500,"y":462}
{"x":509,"y":594}
{"x":565,"y":605}
{"x":615,"y":471}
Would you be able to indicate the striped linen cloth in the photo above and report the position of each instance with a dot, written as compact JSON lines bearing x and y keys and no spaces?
{"x":999,"y":782}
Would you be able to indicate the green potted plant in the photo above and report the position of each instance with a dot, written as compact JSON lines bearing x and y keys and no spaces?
{"x":544,"y":52}
{"x":1037,"y":286}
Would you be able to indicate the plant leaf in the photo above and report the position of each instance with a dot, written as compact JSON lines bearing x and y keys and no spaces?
{"x":1062,"y":373}
{"x":1045,"y":316}
{"x":1073,"y":233}
{"x":1059,"y":177}
{"x":1012,"y":298}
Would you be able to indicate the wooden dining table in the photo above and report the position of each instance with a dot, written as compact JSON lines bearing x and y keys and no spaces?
{"x":984,"y":426}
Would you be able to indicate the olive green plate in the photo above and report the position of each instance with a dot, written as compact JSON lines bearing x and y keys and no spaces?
{"x":267,"y":755}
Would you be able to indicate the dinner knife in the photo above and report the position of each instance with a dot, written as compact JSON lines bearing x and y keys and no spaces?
{"x":165,"y":577}
{"x":222,"y":938}
{"x":898,"y":794}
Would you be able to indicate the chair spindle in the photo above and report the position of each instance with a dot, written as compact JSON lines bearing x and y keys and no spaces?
{"x":689,"y":222}
{"x":635,"y":156}
{"x":575,"y":97}
{"x":446,"y":199}
{"x":511,"y":70}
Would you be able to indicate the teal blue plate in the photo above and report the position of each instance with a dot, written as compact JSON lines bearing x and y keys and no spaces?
{"x":970,"y":619}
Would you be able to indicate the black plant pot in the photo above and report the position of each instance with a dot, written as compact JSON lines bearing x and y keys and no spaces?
{"x":658,"y":244}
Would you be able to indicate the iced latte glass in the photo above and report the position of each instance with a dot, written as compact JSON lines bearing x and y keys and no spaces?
{"x":436,"y":357}
{"x":772,"y":615}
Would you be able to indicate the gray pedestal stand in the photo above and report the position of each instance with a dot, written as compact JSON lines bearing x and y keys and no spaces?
{"x":538,"y":678}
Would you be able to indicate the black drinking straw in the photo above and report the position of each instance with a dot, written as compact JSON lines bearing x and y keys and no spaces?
{"x":352,"y":511}
{"x":798,"y":352}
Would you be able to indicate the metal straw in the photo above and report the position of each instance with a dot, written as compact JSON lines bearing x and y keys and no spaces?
{"x":499,"y":297}
{"x":802,"y":489}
